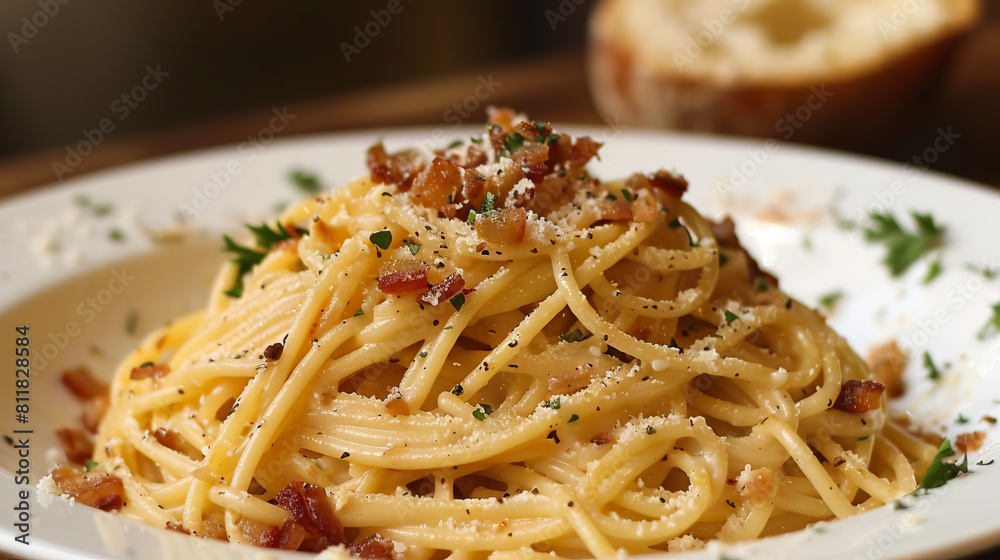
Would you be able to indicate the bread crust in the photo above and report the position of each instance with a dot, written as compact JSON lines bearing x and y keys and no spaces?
{"x":861,"y":108}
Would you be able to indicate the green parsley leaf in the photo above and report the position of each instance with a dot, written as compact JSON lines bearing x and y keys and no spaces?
{"x":411,"y":245}
{"x":359,"y":312}
{"x":247,"y":257}
{"x":940,"y":472}
{"x":863,"y":438}
{"x":830,"y":300}
{"x":730,"y":317}
{"x":486,"y":408}
{"x":673,"y":344}
{"x":987,"y":272}
{"x":900,"y":504}
{"x":904,"y":248}
{"x":457,"y":301}
{"x":116,"y":235}
{"x":130,"y":321}
{"x":94,"y":209}
{"x":992,"y":325}
{"x":723,"y":259}
{"x":423,"y":354}
{"x":89,"y":465}
{"x":676,"y":224}
{"x":627,"y":195}
{"x":932,"y":370}
{"x":475,"y":140}
{"x":552,"y":138}
{"x":145,"y":364}
{"x":472,"y":217}
{"x":305,"y":181}
{"x":573,"y":418}
{"x":511,"y":144}
{"x":933,"y":271}
{"x":478,"y":415}
{"x":611,"y":197}
{"x":489,"y":202}
{"x":961,"y":419}
{"x":572,"y":336}
{"x":553,"y":404}
{"x":760,"y":284}
{"x":381,"y":239}
{"x":455,"y":143}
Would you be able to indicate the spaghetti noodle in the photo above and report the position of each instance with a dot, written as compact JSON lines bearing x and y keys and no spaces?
{"x":489,"y":352}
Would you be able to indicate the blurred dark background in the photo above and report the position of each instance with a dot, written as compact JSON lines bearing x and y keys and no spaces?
{"x":219,"y":67}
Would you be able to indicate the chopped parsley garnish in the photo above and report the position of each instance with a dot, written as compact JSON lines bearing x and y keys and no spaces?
{"x":611,"y":197}
{"x":486,"y":408}
{"x":472,"y":217}
{"x":573,"y":418}
{"x":572,"y":336}
{"x":475,"y":140}
{"x":673,"y":344}
{"x":760,"y":284}
{"x":650,"y":430}
{"x":730,"y":317}
{"x":478,"y":415}
{"x":864,"y":437}
{"x":932,"y":370}
{"x":627,"y":195}
{"x":961,"y":419}
{"x":305,"y":181}
{"x":489,"y":202}
{"x":95,"y":209}
{"x":723,"y":259}
{"x":381,"y":239}
{"x":457,"y":301}
{"x":676,"y":223}
{"x":904,"y":248}
{"x":423,"y":354}
{"x":933,"y":271}
{"x":359,"y":312}
{"x":553,"y":404}
{"x":145,"y":364}
{"x":411,"y":245}
{"x":481,"y":412}
{"x":89,"y":465}
{"x":247,"y":257}
{"x":457,"y":390}
{"x":940,"y":472}
{"x":992,"y":325}
{"x":455,"y":143}
{"x":829,"y":300}
{"x":511,"y":144}
{"x":987,"y":272}
{"x":130,"y":321}
{"x":116,"y":235}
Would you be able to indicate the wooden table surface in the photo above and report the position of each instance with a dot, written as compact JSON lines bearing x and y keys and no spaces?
{"x":553,"y":88}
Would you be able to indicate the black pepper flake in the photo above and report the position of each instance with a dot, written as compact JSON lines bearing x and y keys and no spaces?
{"x":273,"y":351}
{"x":553,"y":435}
{"x":512,"y":344}
{"x":570,"y":504}
{"x":788,"y":304}
{"x":457,"y":389}
{"x":731,"y":504}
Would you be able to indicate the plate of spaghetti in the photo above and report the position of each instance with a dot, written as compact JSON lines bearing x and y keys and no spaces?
{"x":527,"y":342}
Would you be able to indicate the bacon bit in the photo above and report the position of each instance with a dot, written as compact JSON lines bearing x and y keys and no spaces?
{"x":969,"y":441}
{"x":614,"y":210}
{"x":151,"y":371}
{"x":859,"y":396}
{"x":674,"y":185}
{"x":501,"y":116}
{"x":757,"y":485}
{"x":583,"y":150}
{"x":273,"y":351}
{"x":887,"y":363}
{"x":259,"y":534}
{"x":291,"y":535}
{"x":602,"y":438}
{"x":75,"y":444}
{"x":471,"y":158}
{"x":398,"y":407}
{"x":444,"y":290}
{"x":93,"y":412}
{"x":433,"y":186}
{"x":644,"y":207}
{"x":212,"y":530}
{"x":403,"y":281}
{"x":503,"y":226}
{"x":725,"y":235}
{"x":82,"y":383}
{"x":95,"y":489}
{"x":374,"y":547}
{"x":311,"y":508}
{"x":398,"y":169}
{"x":532,"y":159}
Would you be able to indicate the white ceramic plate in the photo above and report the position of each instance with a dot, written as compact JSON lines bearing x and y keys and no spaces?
{"x":87,"y":297}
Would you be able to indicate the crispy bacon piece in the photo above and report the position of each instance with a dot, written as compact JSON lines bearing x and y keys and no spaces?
{"x":615,"y":210}
{"x":311,"y":508}
{"x":95,"y":489}
{"x":503,"y":226}
{"x":82,"y":383}
{"x":260,"y":534}
{"x":438,"y":185}
{"x":887,"y":363}
{"x":859,"y":396}
{"x":273,"y":351}
{"x":644,"y":207}
{"x":75,"y":444}
{"x":602,"y":438}
{"x":725,"y":235}
{"x":584,"y":149}
{"x":445,"y":289}
{"x":93,"y":412}
{"x":374,"y":547}
{"x":149,"y":371}
{"x":403,"y":281}
{"x":398,"y":169}
{"x":673,"y":185}
{"x":969,"y":441}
